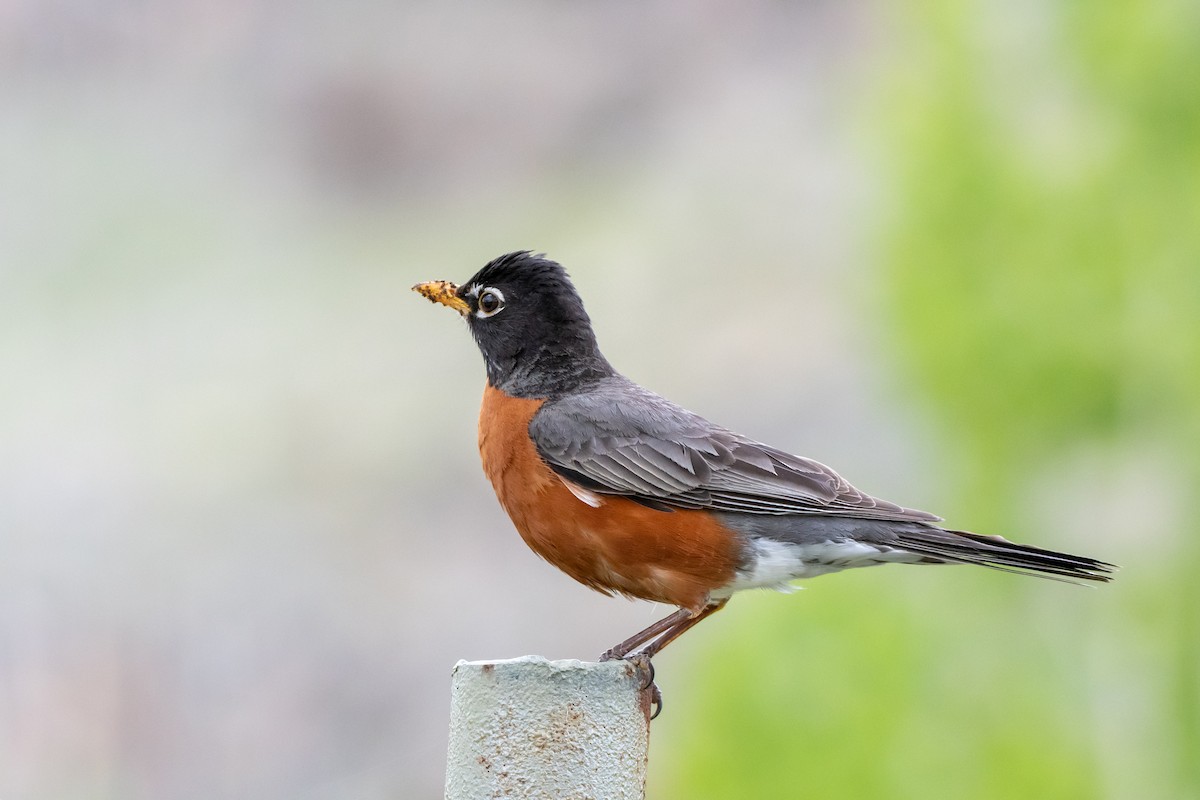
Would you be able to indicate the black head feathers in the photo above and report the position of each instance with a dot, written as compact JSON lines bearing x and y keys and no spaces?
{"x":531,"y":327}
{"x":522,"y":265}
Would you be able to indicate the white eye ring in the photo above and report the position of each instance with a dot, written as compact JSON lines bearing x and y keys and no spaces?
{"x":489,"y":303}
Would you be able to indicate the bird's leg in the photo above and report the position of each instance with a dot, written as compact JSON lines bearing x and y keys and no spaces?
{"x":666,"y":630}
{"x":675,"y":631}
{"x":642,"y":662}
{"x":641,"y":637}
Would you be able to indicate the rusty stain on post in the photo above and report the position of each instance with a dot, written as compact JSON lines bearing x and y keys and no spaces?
{"x":532,"y":728}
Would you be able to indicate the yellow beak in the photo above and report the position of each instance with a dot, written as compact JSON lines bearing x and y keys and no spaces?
{"x":443,"y":292}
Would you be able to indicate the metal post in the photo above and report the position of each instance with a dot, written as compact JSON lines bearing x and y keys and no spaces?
{"x":532,"y":728}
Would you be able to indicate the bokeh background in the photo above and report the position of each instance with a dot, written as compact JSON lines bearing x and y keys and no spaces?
{"x":951,"y":248}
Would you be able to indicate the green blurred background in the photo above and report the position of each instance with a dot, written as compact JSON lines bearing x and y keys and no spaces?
{"x":952,"y":249}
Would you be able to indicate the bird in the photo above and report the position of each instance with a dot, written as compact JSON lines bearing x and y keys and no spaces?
{"x":631,"y":494}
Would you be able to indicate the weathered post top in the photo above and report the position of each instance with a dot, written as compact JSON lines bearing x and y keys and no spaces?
{"x":531,"y":728}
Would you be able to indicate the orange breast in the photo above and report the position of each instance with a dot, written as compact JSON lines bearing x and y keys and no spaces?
{"x":672,"y":557}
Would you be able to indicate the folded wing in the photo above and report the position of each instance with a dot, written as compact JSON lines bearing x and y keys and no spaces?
{"x":622,"y":439}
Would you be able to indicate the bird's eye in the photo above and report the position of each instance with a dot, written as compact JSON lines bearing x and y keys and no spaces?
{"x":490,"y":302}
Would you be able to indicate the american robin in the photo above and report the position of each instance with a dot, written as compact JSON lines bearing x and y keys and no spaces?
{"x":629,"y":493}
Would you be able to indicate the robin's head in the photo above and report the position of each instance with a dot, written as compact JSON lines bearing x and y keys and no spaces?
{"x":529,"y":323}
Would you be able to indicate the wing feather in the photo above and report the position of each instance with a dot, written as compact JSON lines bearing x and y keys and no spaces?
{"x":621,"y":439}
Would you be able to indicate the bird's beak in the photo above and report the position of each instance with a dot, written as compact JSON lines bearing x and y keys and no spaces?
{"x":443,"y":292}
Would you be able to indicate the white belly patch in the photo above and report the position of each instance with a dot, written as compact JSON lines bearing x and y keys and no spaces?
{"x":776,"y":564}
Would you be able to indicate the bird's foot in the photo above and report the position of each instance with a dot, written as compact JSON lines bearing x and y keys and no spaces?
{"x":641,"y":662}
{"x":655,"y":700}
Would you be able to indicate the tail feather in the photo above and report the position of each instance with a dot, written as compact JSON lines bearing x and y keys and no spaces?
{"x":964,"y":547}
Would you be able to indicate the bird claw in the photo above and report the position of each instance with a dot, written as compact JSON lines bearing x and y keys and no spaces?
{"x":645,"y":666}
{"x":656,"y":700}
{"x":642,"y":663}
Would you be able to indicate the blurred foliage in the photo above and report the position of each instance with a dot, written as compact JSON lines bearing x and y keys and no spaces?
{"x":1042,"y":280}
{"x":1044,"y":274}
